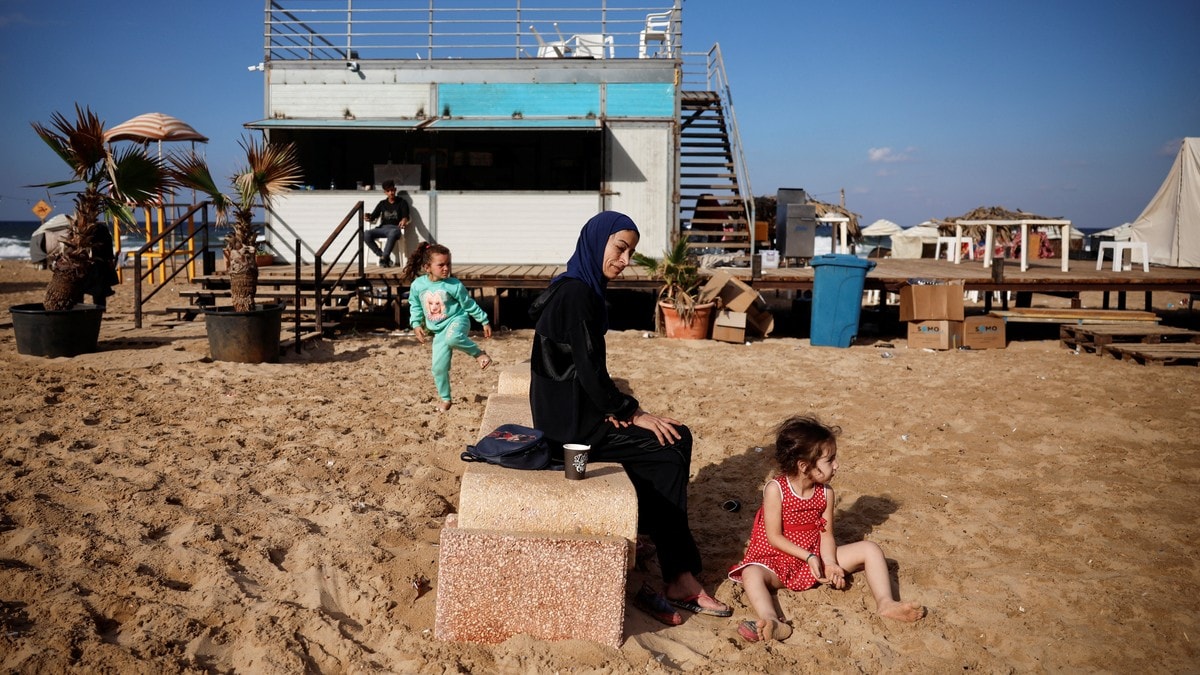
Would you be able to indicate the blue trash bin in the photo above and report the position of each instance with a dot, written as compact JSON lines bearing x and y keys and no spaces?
{"x":837,"y":298}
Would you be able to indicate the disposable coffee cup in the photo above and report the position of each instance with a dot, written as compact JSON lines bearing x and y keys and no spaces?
{"x":575,"y":457}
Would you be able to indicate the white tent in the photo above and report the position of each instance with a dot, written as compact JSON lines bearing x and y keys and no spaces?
{"x":1118,"y":233}
{"x":1170,"y":223}
{"x":910,"y":242}
{"x":881,"y":228}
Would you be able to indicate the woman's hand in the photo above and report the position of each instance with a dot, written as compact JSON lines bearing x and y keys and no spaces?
{"x":663,"y":427}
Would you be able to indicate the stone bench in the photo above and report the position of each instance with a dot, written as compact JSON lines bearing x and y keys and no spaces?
{"x":531,"y":552}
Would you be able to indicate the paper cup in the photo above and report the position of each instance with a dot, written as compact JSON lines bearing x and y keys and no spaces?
{"x":575,"y":458}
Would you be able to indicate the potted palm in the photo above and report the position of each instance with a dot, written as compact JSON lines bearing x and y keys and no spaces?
{"x":678,"y":311}
{"x":62,"y":325}
{"x":247,"y":332}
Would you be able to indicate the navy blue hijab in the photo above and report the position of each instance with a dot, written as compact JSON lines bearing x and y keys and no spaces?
{"x":587,"y":263}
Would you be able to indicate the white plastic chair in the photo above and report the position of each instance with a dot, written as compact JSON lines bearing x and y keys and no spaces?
{"x":591,"y":45}
{"x":550,"y":50}
{"x":659,"y":28}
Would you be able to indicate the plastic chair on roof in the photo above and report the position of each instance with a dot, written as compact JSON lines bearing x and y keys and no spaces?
{"x":659,"y":28}
{"x":550,"y":50}
{"x":591,"y":45}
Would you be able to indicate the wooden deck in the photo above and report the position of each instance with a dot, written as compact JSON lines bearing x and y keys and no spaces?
{"x":1043,"y":276}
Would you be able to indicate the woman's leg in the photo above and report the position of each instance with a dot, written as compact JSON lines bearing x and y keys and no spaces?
{"x":659,"y":474}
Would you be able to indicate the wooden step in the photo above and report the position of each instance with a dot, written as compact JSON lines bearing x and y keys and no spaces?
{"x":1075,"y":316}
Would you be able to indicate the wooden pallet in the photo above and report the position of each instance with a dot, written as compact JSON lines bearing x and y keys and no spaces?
{"x":1157,"y":355}
{"x":1092,"y":338}
{"x":1075,"y":316}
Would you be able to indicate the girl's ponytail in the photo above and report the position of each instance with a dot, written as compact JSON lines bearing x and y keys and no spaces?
{"x":416,"y":262}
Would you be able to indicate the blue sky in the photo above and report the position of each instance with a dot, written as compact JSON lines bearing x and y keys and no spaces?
{"x":917,"y":109}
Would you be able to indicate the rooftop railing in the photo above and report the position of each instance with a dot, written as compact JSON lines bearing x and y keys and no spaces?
{"x":349,"y":30}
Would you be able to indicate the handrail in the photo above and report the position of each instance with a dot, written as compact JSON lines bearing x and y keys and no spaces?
{"x":319,"y":274}
{"x":716,"y":70}
{"x":714,"y":79}
{"x":184,"y":245}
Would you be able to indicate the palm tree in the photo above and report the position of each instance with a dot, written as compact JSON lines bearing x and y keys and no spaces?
{"x":111,"y":182}
{"x":270,"y":170}
{"x":680,"y":276}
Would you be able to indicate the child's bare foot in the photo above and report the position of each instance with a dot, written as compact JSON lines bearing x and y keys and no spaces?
{"x":773,"y":629}
{"x":484,"y":361}
{"x":901,"y":611}
{"x":443,"y":405}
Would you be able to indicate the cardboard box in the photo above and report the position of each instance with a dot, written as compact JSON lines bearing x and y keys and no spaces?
{"x":760,"y":321}
{"x":729,"y":326}
{"x":934,"y":334}
{"x":733,"y":294}
{"x":984,"y":332}
{"x":932,"y":302}
{"x":732,"y":326}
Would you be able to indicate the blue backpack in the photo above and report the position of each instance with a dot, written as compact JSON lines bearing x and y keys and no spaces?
{"x":512,"y":446}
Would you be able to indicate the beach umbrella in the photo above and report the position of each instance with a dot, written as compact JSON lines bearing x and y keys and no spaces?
{"x":154,"y":127}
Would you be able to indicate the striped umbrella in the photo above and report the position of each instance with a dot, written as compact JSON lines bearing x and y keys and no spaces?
{"x":154,"y":127}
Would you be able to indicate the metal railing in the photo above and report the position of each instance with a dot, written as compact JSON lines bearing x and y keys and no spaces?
{"x":321,"y":272}
{"x":349,"y":30}
{"x":184,"y":246}
{"x":713,"y":78}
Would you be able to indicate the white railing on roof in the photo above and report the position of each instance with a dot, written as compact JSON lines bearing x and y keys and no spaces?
{"x":378,"y":29}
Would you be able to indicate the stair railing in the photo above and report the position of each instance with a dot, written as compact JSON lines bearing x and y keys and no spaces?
{"x":717,"y":81}
{"x":322,"y":272}
{"x":185,"y":246}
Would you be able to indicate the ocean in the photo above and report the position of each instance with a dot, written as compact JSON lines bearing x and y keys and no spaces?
{"x":15,"y":234}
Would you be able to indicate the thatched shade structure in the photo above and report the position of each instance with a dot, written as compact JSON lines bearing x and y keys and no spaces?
{"x":853,"y":228}
{"x":976,"y":232}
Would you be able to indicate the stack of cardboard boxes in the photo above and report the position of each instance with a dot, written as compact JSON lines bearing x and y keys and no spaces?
{"x":935,"y":317}
{"x":742,"y":310}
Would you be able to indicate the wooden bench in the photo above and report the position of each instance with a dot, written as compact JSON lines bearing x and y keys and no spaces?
{"x":530,"y":552}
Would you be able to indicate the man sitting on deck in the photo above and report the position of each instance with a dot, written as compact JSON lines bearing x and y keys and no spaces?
{"x":392,"y":213}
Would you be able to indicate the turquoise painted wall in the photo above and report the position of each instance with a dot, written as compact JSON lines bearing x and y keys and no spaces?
{"x":556,"y":100}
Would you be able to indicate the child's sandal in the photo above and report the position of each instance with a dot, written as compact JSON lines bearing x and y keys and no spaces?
{"x":749,"y":630}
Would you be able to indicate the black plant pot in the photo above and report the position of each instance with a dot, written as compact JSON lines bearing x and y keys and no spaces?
{"x":244,"y":337}
{"x":54,"y":333}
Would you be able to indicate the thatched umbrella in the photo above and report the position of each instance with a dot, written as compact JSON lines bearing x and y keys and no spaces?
{"x":976,"y":232}
{"x":832,"y":209}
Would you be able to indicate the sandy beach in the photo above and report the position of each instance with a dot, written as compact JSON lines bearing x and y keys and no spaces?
{"x":160,"y":512}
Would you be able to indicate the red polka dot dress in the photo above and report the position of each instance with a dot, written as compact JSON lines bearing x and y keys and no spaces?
{"x":802,"y":525}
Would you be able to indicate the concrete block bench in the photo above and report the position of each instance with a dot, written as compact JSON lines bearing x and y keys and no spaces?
{"x":531,"y":552}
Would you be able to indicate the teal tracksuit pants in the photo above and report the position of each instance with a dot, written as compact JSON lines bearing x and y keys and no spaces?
{"x":452,"y":336}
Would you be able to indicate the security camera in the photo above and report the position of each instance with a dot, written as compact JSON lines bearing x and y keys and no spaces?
{"x":352,"y":66}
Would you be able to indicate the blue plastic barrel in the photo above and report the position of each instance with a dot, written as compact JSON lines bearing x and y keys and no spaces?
{"x":837,"y":298}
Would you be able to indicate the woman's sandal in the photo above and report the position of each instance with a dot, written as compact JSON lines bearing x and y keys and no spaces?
{"x":655,"y":604}
{"x":692,"y":604}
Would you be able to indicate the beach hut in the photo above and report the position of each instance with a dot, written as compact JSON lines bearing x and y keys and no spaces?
{"x":1170,"y":223}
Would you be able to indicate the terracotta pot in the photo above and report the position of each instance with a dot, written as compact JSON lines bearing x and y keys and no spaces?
{"x":676,"y":328}
{"x":264,"y":259}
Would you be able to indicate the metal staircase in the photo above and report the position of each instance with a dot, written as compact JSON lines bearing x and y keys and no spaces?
{"x":716,"y":207}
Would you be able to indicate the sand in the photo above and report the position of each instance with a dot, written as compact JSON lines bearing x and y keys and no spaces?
{"x":160,"y":512}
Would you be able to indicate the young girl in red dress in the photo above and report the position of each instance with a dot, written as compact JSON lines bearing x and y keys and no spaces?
{"x":792,"y":545}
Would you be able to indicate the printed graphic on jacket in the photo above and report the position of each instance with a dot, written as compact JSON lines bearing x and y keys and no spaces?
{"x":434,"y":303}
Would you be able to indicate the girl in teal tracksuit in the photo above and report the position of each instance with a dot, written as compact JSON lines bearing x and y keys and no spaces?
{"x":440,"y":305}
